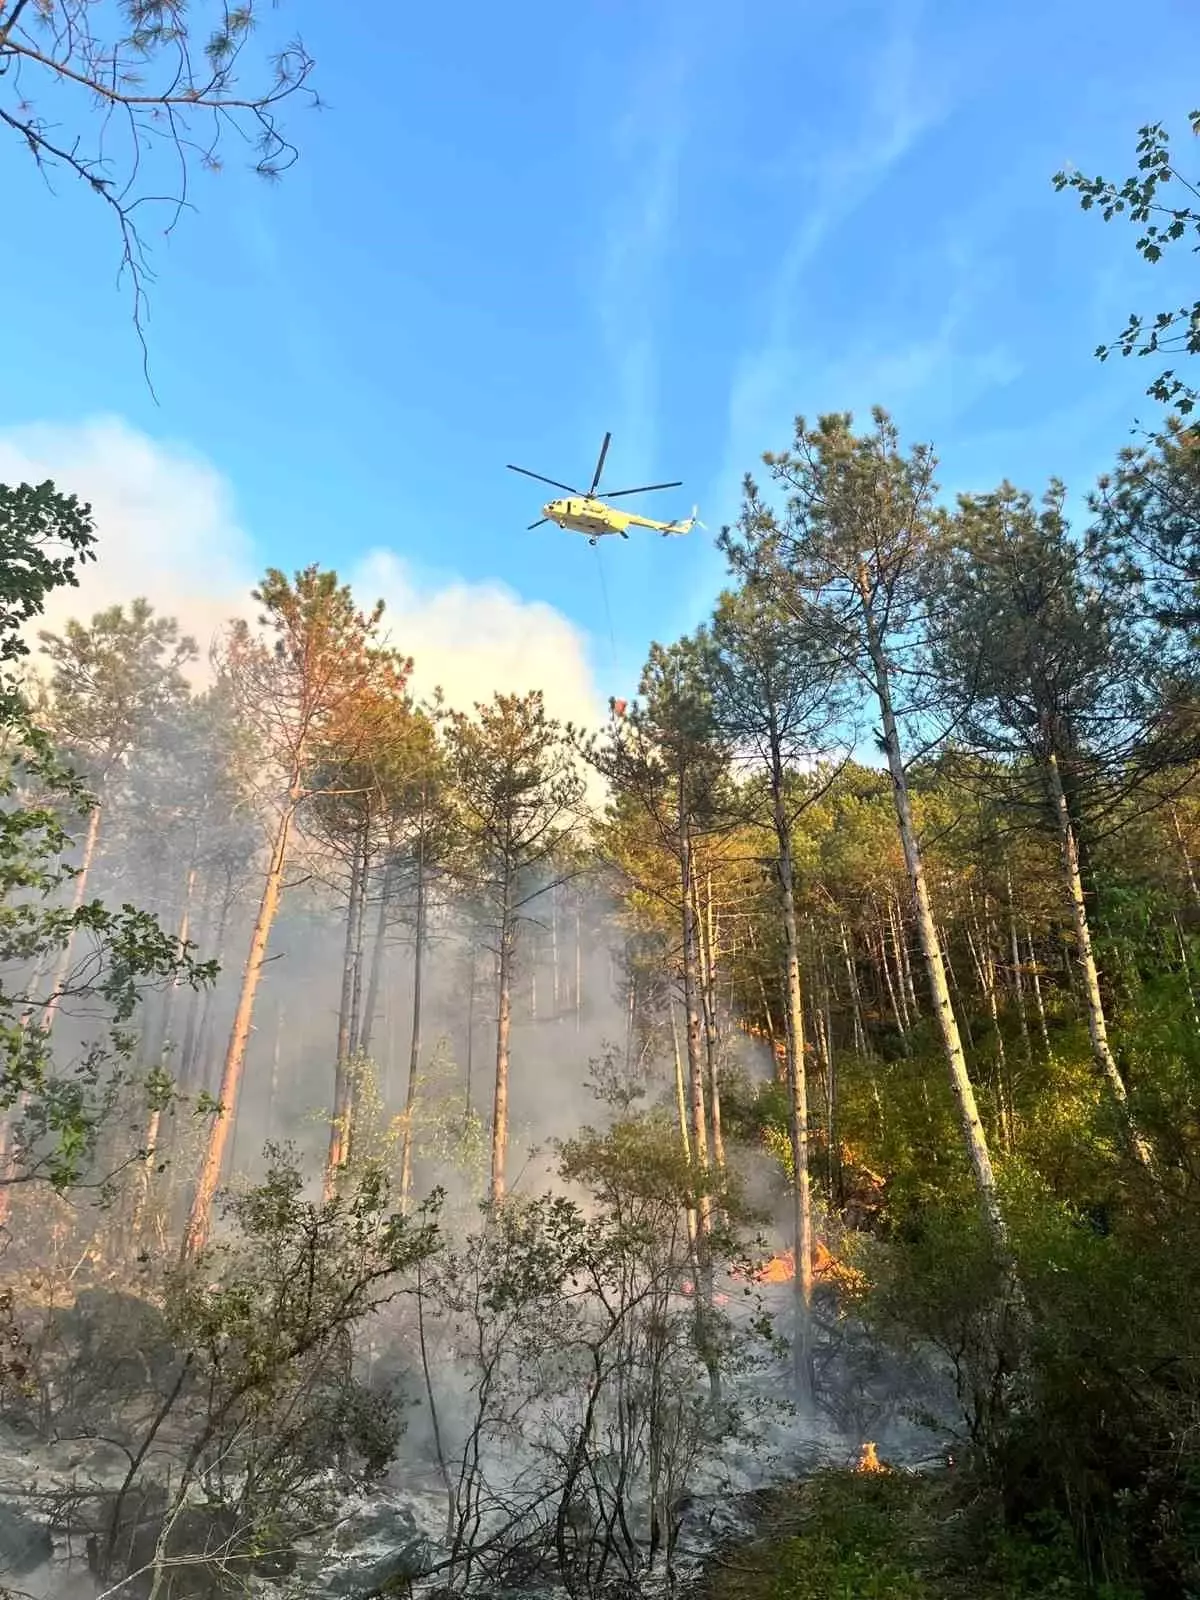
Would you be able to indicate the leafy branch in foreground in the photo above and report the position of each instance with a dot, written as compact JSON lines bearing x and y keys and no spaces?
{"x":1166,"y":205}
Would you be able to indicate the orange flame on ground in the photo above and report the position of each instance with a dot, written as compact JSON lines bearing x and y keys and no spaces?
{"x":869,"y":1460}
{"x":782,"y":1268}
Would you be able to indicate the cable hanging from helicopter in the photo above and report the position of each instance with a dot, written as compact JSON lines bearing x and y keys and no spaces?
{"x":588,"y":512}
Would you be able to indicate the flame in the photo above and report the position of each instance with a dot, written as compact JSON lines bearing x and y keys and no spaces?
{"x":782,"y":1268}
{"x":869,"y":1460}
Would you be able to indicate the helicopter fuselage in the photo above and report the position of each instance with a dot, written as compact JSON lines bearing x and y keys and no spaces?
{"x":596,"y":519}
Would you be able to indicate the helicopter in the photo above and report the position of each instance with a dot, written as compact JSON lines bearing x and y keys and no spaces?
{"x":590,"y":513}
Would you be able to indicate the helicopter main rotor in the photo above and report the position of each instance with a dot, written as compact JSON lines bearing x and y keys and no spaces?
{"x":615,"y":494}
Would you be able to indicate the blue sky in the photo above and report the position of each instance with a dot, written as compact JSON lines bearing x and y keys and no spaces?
{"x":686,"y":222}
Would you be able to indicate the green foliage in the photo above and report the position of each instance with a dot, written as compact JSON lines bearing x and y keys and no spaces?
{"x":1164,"y":204}
{"x":108,"y":680}
{"x":43,"y":536}
{"x":856,"y":1548}
{"x":1093,"y":1449}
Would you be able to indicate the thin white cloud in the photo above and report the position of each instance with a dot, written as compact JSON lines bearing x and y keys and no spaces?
{"x":168,"y":530}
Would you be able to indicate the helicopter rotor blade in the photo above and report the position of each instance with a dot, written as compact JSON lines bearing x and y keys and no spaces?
{"x":645,"y":488}
{"x":600,"y":463}
{"x":553,"y":482}
{"x":536,"y":524}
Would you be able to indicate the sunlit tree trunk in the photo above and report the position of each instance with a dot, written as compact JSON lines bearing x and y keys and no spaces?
{"x":1018,"y":974}
{"x":504,"y":957}
{"x":414,"y":1043}
{"x":1185,"y":855}
{"x":339,"y":1124}
{"x":695,"y":1061}
{"x":900,"y":940}
{"x":1093,"y":1003}
{"x":680,"y":1088}
{"x":856,"y":1010}
{"x":885,"y":968}
{"x":964,"y":1010}
{"x":891,"y":931}
{"x":707,"y":975}
{"x":985,"y":967}
{"x":470,"y":1039}
{"x":802,"y":1343}
{"x":200,"y":1218}
{"x":974,"y":1136}
{"x":1035,"y":983}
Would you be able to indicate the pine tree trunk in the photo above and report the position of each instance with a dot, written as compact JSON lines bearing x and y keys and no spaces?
{"x":187,"y":1047}
{"x":503,"y":1018}
{"x":900,"y":938}
{"x":1035,"y":983}
{"x":375,"y":980}
{"x":1018,"y":974}
{"x":578,"y":972}
{"x":893,"y":998}
{"x":802,"y":1341}
{"x":356,"y":993}
{"x":276,"y":1057}
{"x":470,"y":1040}
{"x":149,"y":1159}
{"x":63,"y":970}
{"x":414,"y":1041}
{"x":708,"y":1002}
{"x":338,"y":1147}
{"x":964,"y":1009}
{"x":680,"y":1089}
{"x":1193,"y":887}
{"x":681,"y":1107}
{"x":200,"y":1218}
{"x":704,"y":1266}
{"x":856,"y":1010}
{"x":1093,"y":1004}
{"x":898,"y":957}
{"x":974,"y":1136}
{"x":556,"y":986}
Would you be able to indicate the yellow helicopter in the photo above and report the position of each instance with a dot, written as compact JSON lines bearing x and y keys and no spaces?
{"x":589,"y":513}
